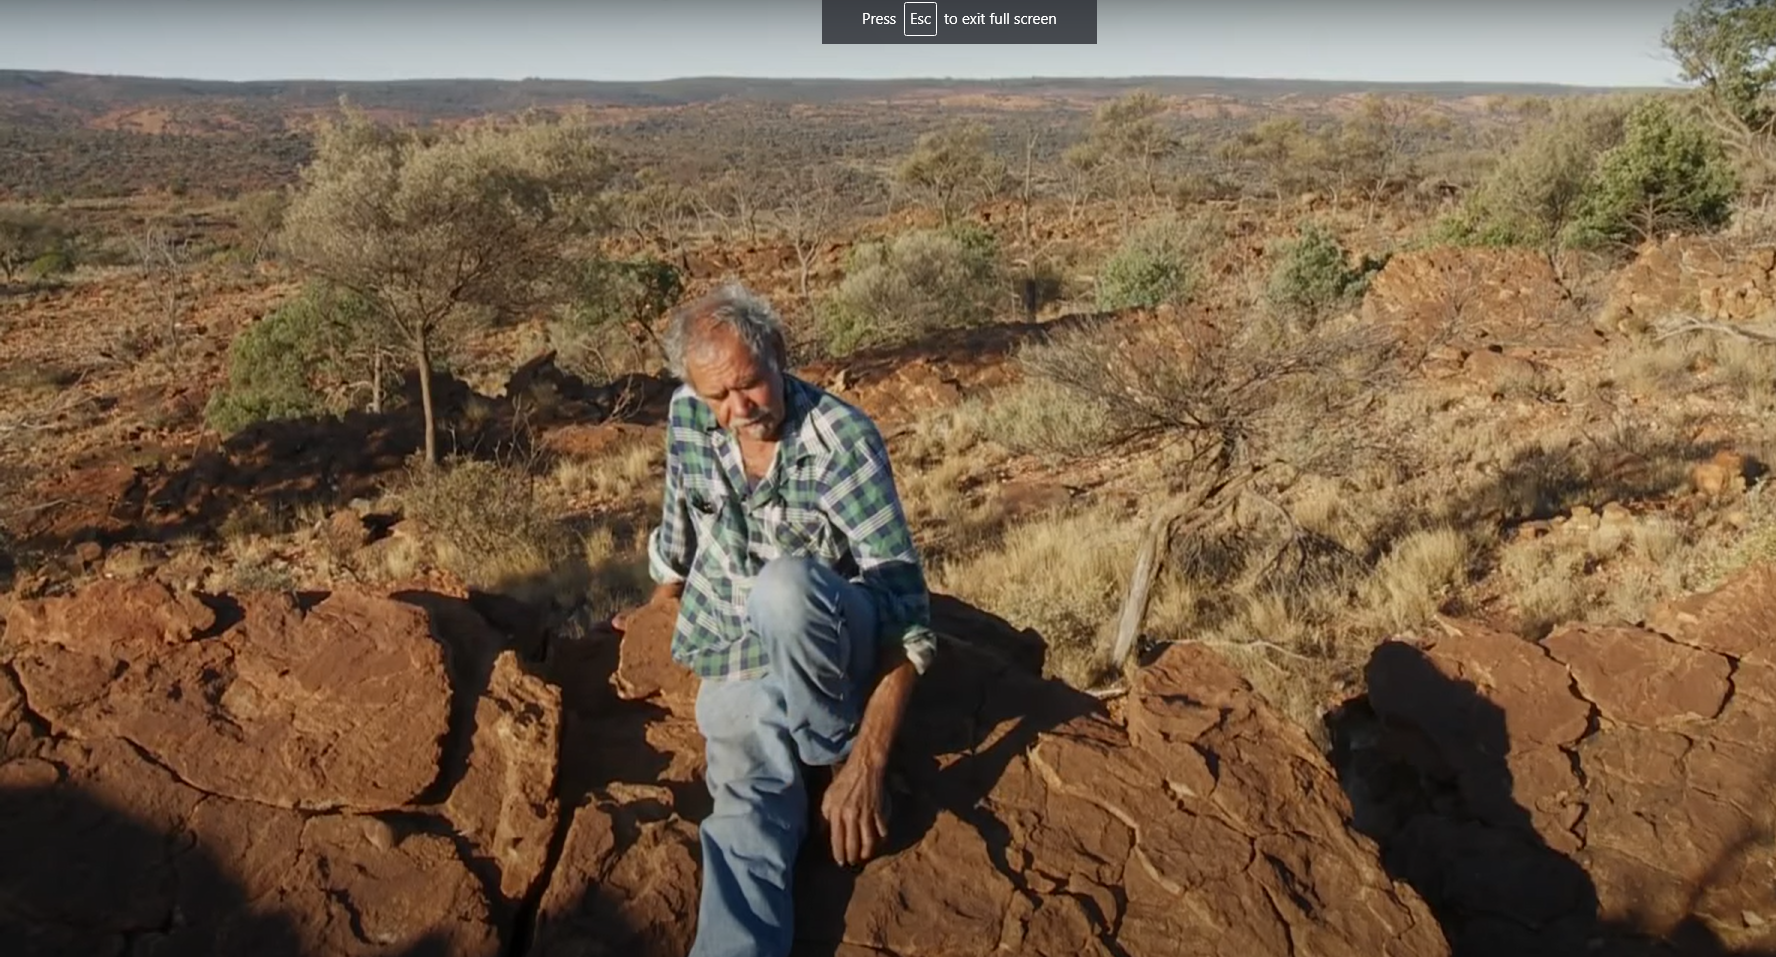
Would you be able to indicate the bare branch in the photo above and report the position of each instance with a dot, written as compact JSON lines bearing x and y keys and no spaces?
{"x":1765,"y":333}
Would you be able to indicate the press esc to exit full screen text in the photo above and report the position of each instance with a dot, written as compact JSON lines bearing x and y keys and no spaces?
{"x":974,"y":19}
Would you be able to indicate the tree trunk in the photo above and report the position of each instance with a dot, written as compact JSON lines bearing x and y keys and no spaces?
{"x":376,"y":380}
{"x":1203,"y":506}
{"x":424,"y":357}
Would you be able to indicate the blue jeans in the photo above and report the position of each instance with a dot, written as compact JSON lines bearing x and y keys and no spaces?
{"x":819,"y":631}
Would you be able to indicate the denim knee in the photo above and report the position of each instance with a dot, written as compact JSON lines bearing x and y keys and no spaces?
{"x":782,"y":595}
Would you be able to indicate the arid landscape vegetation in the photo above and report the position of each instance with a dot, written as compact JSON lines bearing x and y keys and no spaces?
{"x":1346,"y":506}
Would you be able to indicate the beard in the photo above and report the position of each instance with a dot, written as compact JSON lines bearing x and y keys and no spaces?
{"x":759,"y":427}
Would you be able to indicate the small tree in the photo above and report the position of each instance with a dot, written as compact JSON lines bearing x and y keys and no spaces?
{"x":1281,"y":146}
{"x":811,"y":209}
{"x":1729,"y":47}
{"x":1130,"y":132}
{"x":166,"y":260}
{"x":1378,"y":142}
{"x":952,"y":167}
{"x":1668,"y":173}
{"x":443,"y":232}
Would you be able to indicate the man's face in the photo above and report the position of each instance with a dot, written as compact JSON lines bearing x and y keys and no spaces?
{"x":746,"y":396}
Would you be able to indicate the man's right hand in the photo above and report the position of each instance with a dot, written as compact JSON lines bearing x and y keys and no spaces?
{"x":664,"y":595}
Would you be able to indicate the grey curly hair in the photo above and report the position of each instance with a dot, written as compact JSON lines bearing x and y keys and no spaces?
{"x":736,"y":307}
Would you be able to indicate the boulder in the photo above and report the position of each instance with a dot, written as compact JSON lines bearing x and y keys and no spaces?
{"x":107,"y":853}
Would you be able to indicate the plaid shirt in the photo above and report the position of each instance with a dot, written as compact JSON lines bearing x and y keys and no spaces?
{"x":829,"y":495}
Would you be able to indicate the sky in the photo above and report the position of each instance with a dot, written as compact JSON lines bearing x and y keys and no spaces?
{"x":1581,"y":42}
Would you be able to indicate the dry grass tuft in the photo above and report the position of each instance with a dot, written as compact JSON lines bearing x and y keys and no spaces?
{"x":628,"y":469}
{"x":1414,"y":579}
{"x":1040,"y":416}
{"x":1061,"y":575}
{"x":491,"y":529}
{"x":1548,"y":583}
{"x":617,"y":576}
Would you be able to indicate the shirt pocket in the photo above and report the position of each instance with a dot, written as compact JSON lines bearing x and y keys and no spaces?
{"x":705,"y":518}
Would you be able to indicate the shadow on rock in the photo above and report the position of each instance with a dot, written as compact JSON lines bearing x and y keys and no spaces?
{"x":79,"y":875}
{"x":1437,"y":794}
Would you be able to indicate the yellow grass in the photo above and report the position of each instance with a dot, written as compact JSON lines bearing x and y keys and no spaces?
{"x":1062,"y":576}
{"x":627,"y":470}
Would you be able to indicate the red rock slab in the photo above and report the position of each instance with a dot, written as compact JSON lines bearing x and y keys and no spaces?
{"x":342,"y":705}
{"x":626,"y":884}
{"x":1738,"y":619}
{"x":1641,"y":678}
{"x":107,"y":853}
{"x":505,"y":805}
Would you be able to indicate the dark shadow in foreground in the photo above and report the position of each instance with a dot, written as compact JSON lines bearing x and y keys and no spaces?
{"x":1448,"y":825}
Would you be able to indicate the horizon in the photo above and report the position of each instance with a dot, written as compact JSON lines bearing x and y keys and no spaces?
{"x":1578,"y":43}
{"x":787,"y":78}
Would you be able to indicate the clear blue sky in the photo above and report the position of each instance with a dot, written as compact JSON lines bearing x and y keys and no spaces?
{"x":1586,"y":42}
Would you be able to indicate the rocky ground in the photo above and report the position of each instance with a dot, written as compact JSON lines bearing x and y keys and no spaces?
{"x":355,"y":772}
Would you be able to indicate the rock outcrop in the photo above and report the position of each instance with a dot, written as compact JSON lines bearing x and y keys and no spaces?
{"x":1607,"y":784}
{"x":1703,"y":276}
{"x":1029,"y":821}
{"x":1473,"y":299}
{"x":252,"y":774}
{"x":356,"y":773}
{"x":343,"y":705}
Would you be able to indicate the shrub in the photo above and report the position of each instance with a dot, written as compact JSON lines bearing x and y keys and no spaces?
{"x":297,"y":361}
{"x":915,"y":284}
{"x":489,"y":526}
{"x":1668,"y":173}
{"x":56,"y":262}
{"x":1535,"y":191}
{"x":1313,"y":276}
{"x":1154,"y":265}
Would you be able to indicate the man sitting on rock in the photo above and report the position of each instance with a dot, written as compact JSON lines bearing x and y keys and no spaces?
{"x":802,"y":606}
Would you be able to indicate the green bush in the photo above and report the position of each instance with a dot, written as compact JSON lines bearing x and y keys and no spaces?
{"x":1313,"y":276}
{"x":913,"y":285}
{"x":1668,"y":173}
{"x":56,"y":262}
{"x":1536,"y":189}
{"x":295,"y":361}
{"x":1154,"y":265}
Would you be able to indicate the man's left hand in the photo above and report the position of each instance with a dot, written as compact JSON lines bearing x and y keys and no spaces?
{"x":854,"y":811}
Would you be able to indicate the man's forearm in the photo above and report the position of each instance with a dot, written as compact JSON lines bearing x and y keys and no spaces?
{"x":887,"y":705}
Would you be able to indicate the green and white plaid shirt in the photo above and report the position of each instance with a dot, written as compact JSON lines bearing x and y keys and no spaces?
{"x":829,"y":495}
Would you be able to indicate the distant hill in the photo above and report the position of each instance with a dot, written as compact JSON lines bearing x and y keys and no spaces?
{"x":81,"y":135}
{"x":52,"y":98}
